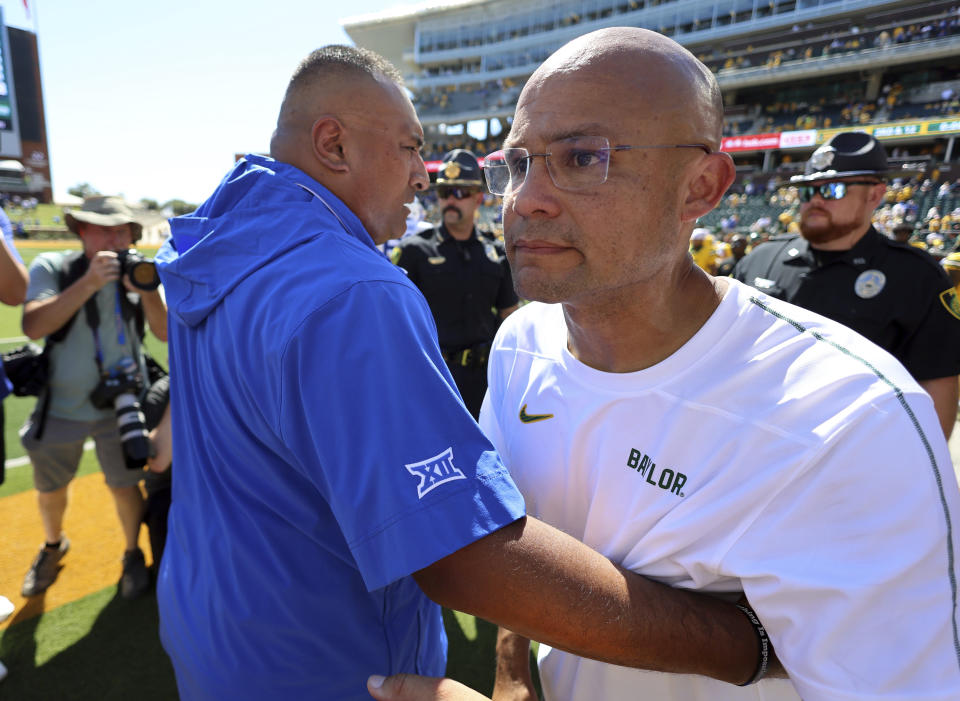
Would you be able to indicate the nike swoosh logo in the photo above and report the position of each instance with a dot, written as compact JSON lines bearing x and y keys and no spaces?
{"x":532,"y":418}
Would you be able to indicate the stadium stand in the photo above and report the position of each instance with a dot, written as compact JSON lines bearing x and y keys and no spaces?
{"x":793,"y":72}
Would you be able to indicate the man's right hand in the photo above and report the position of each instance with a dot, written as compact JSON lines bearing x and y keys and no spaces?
{"x":104,"y":267}
{"x":42,"y":317}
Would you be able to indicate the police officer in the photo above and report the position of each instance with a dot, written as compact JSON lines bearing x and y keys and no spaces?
{"x":842,"y":268}
{"x":464,"y":275}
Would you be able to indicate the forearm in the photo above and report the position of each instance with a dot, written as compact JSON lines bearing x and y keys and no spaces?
{"x":944,"y":392}
{"x":13,"y":278}
{"x":44,"y":316}
{"x":155,"y":310}
{"x":513,"y":678}
{"x":549,"y":587}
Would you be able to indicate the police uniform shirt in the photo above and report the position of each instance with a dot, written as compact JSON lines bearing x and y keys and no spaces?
{"x":463,"y":282}
{"x":895,"y":295}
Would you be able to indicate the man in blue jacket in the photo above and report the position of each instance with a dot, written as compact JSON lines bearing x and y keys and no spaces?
{"x":329,"y":478}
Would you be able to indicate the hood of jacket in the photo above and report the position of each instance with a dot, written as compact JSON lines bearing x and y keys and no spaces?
{"x":262,"y":209}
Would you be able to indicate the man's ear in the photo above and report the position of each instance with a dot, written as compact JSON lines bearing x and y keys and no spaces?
{"x":877,"y":194}
{"x":716,"y":174}
{"x":327,"y":136}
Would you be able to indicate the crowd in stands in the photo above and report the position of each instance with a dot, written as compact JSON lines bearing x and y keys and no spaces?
{"x":918,"y":23}
{"x":811,"y":41}
{"x":928,"y":207}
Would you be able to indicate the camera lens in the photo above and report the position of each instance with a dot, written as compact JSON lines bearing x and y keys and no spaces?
{"x":133,"y":431}
{"x":144,"y":275}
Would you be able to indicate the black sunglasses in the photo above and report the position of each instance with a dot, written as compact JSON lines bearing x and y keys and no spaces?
{"x":460,"y":193}
{"x":830,"y":191}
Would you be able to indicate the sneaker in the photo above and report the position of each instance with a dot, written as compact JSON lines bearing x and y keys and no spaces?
{"x":44,"y":569}
{"x":6,"y":608}
{"x":135,"y":578}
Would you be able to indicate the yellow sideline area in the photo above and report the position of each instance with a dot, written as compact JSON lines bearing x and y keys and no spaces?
{"x":96,"y":547}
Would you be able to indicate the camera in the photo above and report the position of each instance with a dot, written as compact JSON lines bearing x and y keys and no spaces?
{"x":142,"y":271}
{"x":119,"y":388}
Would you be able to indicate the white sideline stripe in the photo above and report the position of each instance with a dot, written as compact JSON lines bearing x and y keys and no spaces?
{"x":14,"y":339}
{"x":25,"y":460}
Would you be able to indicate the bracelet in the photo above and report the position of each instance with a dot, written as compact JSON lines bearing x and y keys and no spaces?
{"x":764,"y":659}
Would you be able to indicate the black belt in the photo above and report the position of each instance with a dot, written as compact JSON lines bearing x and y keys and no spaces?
{"x":472,"y":357}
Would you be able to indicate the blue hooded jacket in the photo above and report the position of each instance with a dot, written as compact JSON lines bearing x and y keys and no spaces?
{"x":322,"y":451}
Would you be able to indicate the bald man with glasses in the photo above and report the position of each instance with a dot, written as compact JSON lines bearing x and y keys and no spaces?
{"x":691,"y":428}
{"x":841,"y":267}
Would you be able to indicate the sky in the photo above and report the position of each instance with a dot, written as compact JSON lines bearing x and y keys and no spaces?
{"x":153,"y":99}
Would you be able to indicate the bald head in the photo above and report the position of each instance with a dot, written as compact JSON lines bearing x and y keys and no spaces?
{"x":668,"y":85}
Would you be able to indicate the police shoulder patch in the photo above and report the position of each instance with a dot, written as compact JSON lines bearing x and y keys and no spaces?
{"x":951,"y":301}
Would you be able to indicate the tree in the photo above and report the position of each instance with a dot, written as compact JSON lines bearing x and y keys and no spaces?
{"x":147,"y":203}
{"x":179,"y":207}
{"x":83,"y":190}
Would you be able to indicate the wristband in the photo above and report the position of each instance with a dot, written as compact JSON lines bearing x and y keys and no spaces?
{"x":764,"y":659}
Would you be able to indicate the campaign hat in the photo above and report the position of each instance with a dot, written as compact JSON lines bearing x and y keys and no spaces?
{"x":460,"y":167}
{"x":103,"y":210}
{"x":848,"y":154}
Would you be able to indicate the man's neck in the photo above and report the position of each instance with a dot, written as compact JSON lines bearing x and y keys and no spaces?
{"x":637,"y":329}
{"x":842,"y":243}
{"x":461,"y":232}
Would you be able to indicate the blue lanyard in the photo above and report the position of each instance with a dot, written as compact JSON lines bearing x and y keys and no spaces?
{"x":121,"y":329}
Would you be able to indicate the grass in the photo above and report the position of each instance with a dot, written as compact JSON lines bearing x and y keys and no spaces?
{"x":44,"y":215}
{"x":102,"y":647}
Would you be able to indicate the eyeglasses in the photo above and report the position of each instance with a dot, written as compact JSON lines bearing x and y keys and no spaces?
{"x":460,"y":193}
{"x":830,"y":191}
{"x":577,"y":163}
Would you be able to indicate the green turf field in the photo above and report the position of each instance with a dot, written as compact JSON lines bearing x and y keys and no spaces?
{"x":102,"y":647}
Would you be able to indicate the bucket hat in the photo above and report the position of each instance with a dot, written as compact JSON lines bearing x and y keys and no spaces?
{"x":104,"y":210}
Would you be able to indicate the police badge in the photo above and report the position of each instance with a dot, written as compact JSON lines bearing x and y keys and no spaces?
{"x":451,"y":171}
{"x":869,"y":284}
{"x":822,"y":158}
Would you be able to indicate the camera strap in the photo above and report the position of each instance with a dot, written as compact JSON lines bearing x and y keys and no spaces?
{"x":93,"y":321}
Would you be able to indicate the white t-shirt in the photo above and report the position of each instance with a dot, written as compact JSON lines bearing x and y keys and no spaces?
{"x":776,"y":453}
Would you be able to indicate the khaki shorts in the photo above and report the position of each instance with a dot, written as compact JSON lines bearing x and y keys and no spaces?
{"x":57,"y":456}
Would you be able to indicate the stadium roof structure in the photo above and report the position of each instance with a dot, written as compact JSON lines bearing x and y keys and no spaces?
{"x":467,"y":60}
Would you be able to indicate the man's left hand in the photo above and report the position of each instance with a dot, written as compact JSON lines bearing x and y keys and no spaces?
{"x":411,"y":687}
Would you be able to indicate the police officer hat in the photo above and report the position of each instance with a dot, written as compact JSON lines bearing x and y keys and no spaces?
{"x":460,"y":167}
{"x":847,"y":154}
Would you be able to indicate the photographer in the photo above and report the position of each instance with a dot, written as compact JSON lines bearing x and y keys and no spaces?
{"x":96,"y":363}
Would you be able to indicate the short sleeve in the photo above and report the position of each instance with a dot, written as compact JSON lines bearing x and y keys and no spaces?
{"x":851,"y":566}
{"x":370,"y":411}
{"x":931,"y":350}
{"x":44,"y":276}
